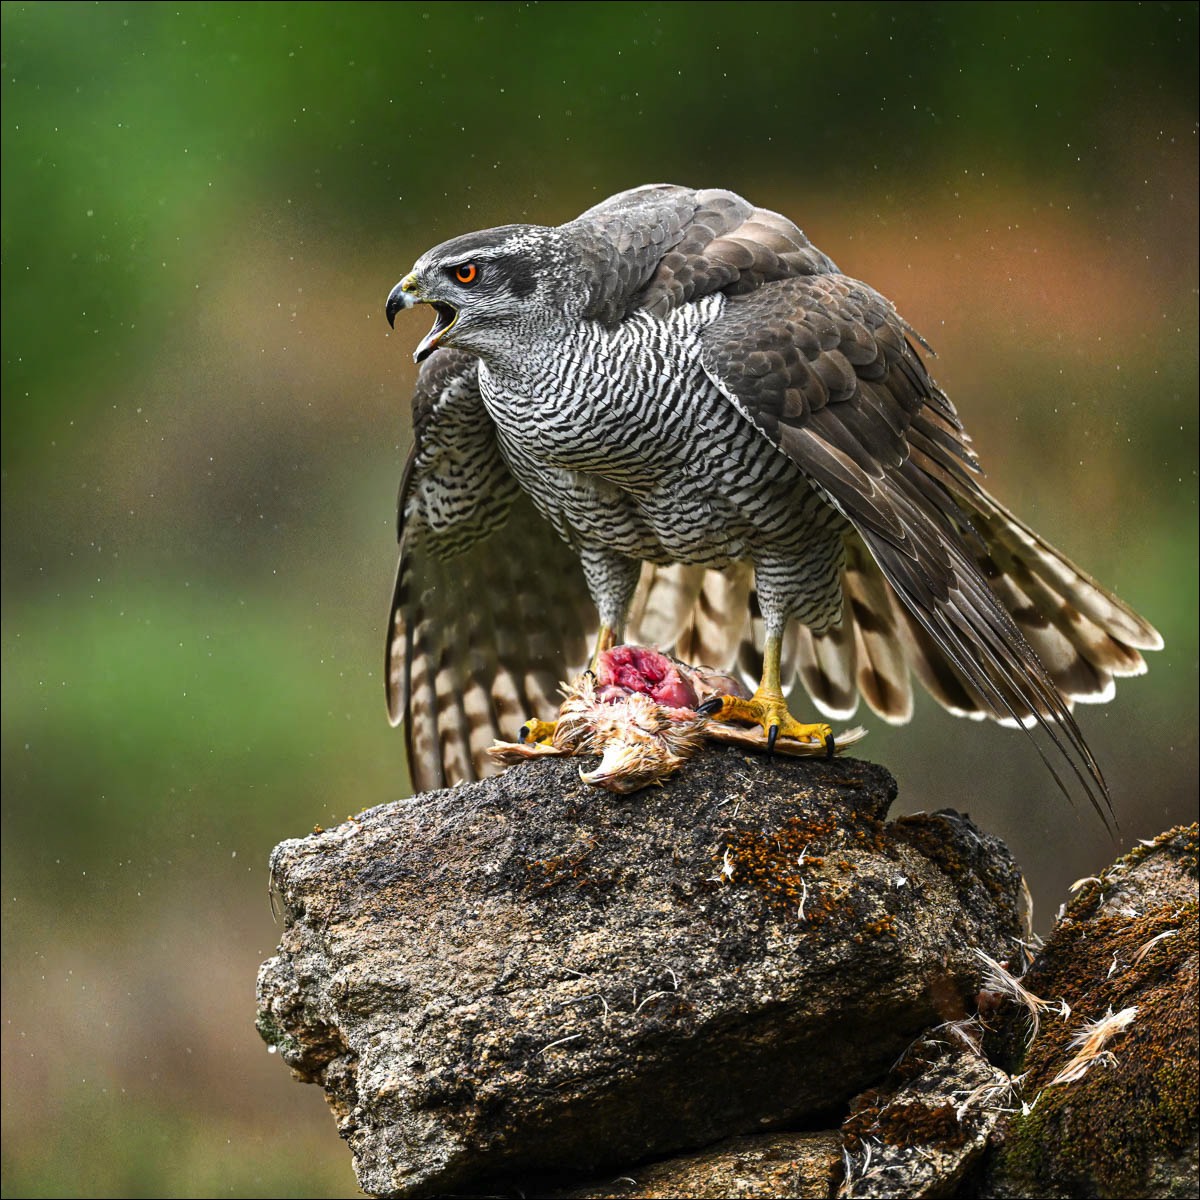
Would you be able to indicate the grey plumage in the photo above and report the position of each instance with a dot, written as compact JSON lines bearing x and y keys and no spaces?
{"x":678,"y":392}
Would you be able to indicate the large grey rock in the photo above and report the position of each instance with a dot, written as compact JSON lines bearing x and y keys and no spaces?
{"x":527,"y":976}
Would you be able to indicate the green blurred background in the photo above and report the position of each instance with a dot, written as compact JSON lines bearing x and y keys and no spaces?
{"x":204,"y":417}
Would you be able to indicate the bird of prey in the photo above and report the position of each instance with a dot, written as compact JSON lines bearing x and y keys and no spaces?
{"x":673,"y":419}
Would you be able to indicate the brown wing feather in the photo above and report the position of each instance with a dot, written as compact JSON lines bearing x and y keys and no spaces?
{"x":476,"y":641}
{"x":796,"y":358}
{"x":660,"y":246}
{"x":700,"y":615}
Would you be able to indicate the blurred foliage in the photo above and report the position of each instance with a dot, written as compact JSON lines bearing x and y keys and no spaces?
{"x":136,"y":134}
{"x":204,"y":206}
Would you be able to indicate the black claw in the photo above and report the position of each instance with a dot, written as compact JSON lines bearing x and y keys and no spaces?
{"x":772,"y":734}
{"x":590,"y":674}
{"x":710,"y":706}
{"x":523,"y":736}
{"x":830,"y":745}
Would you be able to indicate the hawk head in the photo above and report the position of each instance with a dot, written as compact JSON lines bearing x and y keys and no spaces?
{"x":483,"y":287}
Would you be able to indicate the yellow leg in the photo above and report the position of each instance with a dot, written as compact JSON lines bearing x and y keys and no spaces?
{"x":769,"y":709}
{"x":543,"y":731}
{"x":605,"y":640}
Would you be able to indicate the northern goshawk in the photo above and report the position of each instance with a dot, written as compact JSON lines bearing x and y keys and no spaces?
{"x":678,"y":406}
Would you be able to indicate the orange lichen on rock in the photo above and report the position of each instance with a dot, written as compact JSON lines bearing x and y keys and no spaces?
{"x":787,"y":867}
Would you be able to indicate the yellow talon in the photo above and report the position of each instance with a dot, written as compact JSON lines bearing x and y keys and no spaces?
{"x":770,"y":711}
{"x":538,"y":731}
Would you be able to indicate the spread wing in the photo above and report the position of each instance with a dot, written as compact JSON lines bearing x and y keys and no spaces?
{"x":827,"y":371}
{"x":490,"y":611}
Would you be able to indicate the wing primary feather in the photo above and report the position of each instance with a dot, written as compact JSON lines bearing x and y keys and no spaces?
{"x":897,"y":479}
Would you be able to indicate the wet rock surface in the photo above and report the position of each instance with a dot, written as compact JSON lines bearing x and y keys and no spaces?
{"x":524,"y":978}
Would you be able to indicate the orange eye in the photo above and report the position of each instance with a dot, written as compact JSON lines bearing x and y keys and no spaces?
{"x":467,"y":273}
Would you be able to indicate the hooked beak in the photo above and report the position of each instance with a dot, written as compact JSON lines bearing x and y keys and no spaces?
{"x":407,"y":294}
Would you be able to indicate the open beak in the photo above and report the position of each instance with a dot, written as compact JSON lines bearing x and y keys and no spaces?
{"x":407,"y":294}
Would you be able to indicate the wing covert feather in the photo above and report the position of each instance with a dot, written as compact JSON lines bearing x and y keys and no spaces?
{"x":657,"y":247}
